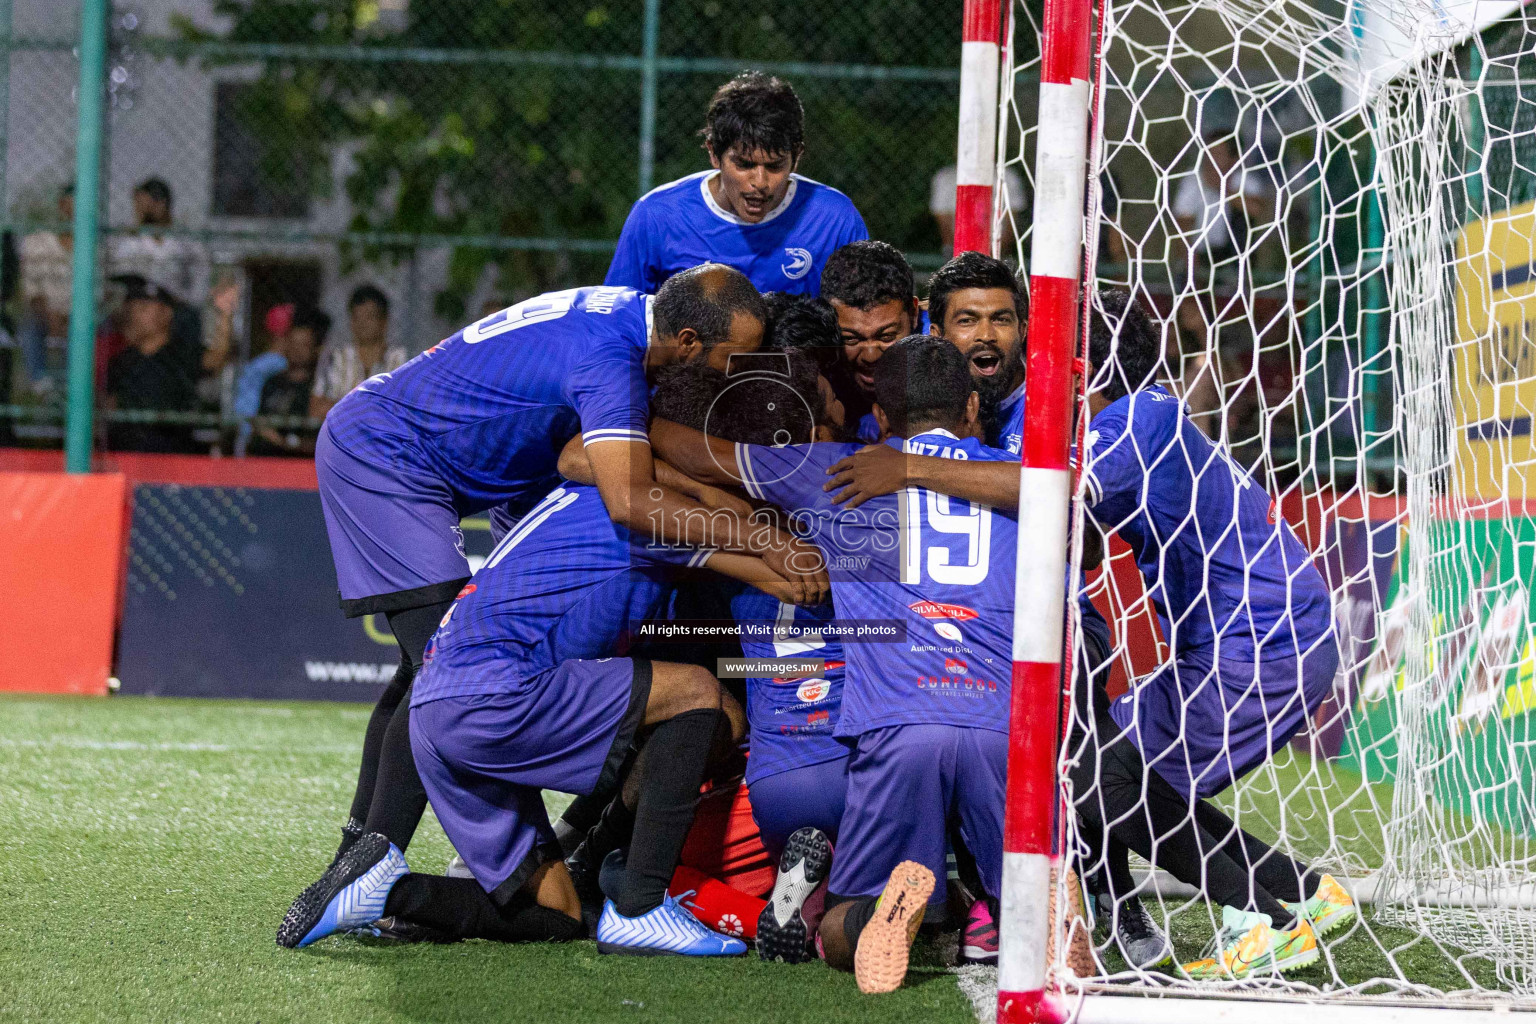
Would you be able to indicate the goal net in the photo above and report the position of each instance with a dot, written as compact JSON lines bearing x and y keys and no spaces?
{"x":1329,"y":212}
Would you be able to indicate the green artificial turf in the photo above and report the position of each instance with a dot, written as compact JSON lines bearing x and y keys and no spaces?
{"x":149,"y":847}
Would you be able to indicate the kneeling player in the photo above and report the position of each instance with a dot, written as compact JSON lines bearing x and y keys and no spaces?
{"x":1249,"y":619}
{"x":519,"y":693}
{"x":797,"y":772}
{"x":927,"y":716}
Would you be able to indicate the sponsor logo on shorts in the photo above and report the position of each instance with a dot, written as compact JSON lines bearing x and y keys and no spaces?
{"x":939,"y":610}
{"x":949,"y":631}
{"x":812,"y":690}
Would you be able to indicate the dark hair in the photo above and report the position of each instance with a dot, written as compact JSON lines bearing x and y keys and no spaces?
{"x":1123,"y":345}
{"x":972,"y":270}
{"x":317,"y":321}
{"x":807,"y":325}
{"x":706,"y":298}
{"x":867,"y":274}
{"x":757,"y":112}
{"x":922,"y":377}
{"x":759,"y":406}
{"x":157,"y":190}
{"x":685,"y":392}
{"x":368,"y":293}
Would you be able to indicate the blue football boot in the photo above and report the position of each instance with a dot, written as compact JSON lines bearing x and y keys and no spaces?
{"x":349,"y":895}
{"x":669,"y":930}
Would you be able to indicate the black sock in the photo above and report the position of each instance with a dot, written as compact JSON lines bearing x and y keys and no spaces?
{"x":460,"y":909}
{"x":614,"y":829}
{"x":672,"y":765}
{"x":398,"y":798}
{"x":373,"y":737}
{"x":857,"y":918}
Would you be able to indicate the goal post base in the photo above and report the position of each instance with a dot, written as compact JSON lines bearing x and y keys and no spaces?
{"x":1139,"y":1008}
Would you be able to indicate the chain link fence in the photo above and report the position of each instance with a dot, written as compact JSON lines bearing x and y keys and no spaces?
{"x":457,"y":154}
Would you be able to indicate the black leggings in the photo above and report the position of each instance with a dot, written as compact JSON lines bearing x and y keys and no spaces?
{"x":457,"y":908}
{"x":389,"y":797}
{"x":1123,"y":806}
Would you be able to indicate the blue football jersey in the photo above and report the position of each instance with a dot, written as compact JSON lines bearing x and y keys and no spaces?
{"x":487,"y":411}
{"x":566,"y":583}
{"x":680,"y":225}
{"x":792,"y":717}
{"x":1010,"y":415}
{"x":942,"y":567}
{"x":1225,"y":571}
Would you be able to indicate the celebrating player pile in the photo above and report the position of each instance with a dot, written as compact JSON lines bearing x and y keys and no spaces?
{"x":687,"y":456}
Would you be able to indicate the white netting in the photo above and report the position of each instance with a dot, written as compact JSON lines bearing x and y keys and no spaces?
{"x":1344,"y":275}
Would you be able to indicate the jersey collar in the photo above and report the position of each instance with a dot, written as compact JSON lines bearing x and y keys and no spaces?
{"x":936,"y":430}
{"x":1007,"y":405}
{"x":729,"y":217}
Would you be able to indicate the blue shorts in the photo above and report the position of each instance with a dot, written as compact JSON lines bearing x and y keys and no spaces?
{"x":395,"y":534}
{"x":486,"y":758}
{"x":906,"y":785}
{"x":810,"y":796}
{"x":1202,"y":723}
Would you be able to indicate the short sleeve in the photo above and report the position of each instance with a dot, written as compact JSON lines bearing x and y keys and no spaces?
{"x":325,"y":374}
{"x":610,"y":396}
{"x":1189,"y":200}
{"x":791,"y":477}
{"x":663,"y":554}
{"x":628,"y":269}
{"x":941,"y":194}
{"x":1114,"y":467}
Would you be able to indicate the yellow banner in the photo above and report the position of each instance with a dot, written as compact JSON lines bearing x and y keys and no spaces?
{"x":1495,"y":355}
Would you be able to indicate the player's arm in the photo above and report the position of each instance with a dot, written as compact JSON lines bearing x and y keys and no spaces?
{"x":752,"y":571}
{"x":706,"y":459}
{"x":625,"y":475}
{"x":881,"y":469}
{"x":576,"y":467}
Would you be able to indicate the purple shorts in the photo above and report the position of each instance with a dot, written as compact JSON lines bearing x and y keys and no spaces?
{"x":395,"y":534}
{"x":1203,"y":723}
{"x":812,"y":796}
{"x":906,"y":784}
{"x":486,"y":758}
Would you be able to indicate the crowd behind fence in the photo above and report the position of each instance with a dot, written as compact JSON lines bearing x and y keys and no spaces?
{"x":297,"y":193}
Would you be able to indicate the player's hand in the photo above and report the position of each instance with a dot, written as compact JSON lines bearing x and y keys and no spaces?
{"x":870,"y":472}
{"x":802,"y":567}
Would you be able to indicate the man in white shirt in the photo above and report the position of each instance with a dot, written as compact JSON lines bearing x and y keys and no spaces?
{"x":1219,"y":201}
{"x":368,"y":352}
{"x":179,"y":265}
{"x":46,"y":280}
{"x":941,"y":201}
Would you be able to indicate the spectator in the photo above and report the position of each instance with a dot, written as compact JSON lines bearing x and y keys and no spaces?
{"x":154,"y":371}
{"x":1112,"y":240}
{"x":367,"y":353}
{"x":255,"y":374}
{"x":287,"y":393}
{"x":1219,"y":201}
{"x":941,"y":201}
{"x":178,"y":265}
{"x":46,"y":259}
